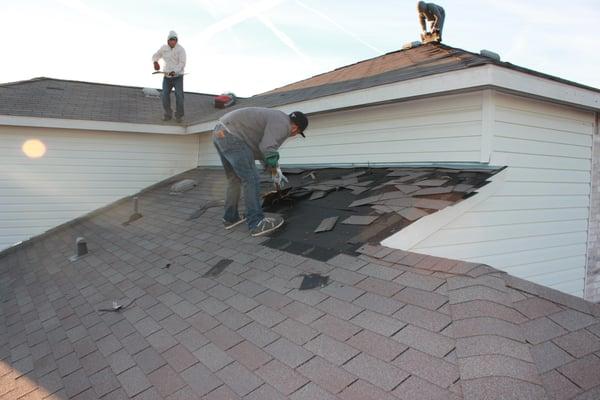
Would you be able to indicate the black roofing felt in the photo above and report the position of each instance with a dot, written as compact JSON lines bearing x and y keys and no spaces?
{"x":54,"y":98}
{"x":303,"y":215}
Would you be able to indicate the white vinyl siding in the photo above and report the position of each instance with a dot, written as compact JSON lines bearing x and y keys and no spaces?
{"x":80,"y":172}
{"x":443,"y":129}
{"x":535,"y":225}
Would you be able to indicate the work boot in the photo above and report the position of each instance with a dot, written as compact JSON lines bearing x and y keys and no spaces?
{"x":266,"y":225}
{"x":229,"y":225}
{"x":179,"y":119}
{"x":166,"y":117}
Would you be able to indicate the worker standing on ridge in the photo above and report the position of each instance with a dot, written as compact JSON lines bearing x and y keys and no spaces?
{"x":173,"y":55}
{"x":434,"y":14}
{"x":241,"y":137}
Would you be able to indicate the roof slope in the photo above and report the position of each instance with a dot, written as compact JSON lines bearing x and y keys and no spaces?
{"x":390,"y":325}
{"x":409,"y":64}
{"x":55,"y":98}
{"x":52,"y":98}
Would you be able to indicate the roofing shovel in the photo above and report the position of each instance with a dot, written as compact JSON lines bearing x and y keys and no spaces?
{"x":279,"y":195}
{"x":273,"y":197}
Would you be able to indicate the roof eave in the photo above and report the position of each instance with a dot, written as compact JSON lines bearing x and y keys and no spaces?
{"x":469,"y":79}
{"x":89,"y":125}
{"x":475,"y":78}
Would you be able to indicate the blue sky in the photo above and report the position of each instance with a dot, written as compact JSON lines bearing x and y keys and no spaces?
{"x":252,"y":46}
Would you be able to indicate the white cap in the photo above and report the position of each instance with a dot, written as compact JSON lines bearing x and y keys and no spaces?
{"x":172,"y":35}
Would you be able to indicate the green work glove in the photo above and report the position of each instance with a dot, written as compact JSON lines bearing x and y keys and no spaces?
{"x":272,"y":159}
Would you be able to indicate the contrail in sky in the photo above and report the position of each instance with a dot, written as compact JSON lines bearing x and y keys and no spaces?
{"x":285,"y":39}
{"x":337,"y":25}
{"x":237,"y":18}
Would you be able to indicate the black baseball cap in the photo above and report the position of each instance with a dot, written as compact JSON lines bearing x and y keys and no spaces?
{"x":300,"y":119}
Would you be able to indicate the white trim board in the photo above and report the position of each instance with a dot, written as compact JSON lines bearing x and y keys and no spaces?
{"x":486,"y":76}
{"x":90,"y":125}
{"x":413,"y":234}
{"x":483,"y":77}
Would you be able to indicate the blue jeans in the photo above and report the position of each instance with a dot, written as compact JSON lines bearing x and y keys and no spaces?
{"x":168,"y":84}
{"x":238,"y":160}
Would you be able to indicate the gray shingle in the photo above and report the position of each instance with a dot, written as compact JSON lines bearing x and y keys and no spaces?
{"x":330,"y":349}
{"x":376,"y":371}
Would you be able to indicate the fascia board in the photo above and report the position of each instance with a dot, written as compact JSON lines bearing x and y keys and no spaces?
{"x":485,"y":76}
{"x":398,"y":91}
{"x":10,"y":120}
{"x":544,"y":88}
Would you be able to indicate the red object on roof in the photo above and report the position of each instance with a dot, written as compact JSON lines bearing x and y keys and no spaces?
{"x":224,"y":100}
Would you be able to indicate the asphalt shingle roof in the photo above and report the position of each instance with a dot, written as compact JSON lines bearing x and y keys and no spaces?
{"x":433,"y":329}
{"x":53,"y":98}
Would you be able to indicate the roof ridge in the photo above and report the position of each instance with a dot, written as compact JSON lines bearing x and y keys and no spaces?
{"x":473,"y":355}
{"x":348,"y":66}
{"x":553,"y":295}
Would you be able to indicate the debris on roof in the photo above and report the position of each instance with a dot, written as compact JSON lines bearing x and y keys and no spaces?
{"x":385,"y":323}
{"x":327,"y":224}
{"x":183,"y":186}
{"x":360,"y":198}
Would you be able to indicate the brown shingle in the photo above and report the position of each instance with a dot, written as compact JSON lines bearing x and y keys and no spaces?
{"x":432,"y":369}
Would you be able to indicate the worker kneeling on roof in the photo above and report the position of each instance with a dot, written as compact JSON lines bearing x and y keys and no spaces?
{"x":241,"y":137}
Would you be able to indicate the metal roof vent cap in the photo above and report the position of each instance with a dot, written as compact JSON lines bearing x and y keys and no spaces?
{"x":410,"y":45}
{"x":490,"y":54}
{"x":80,"y":249}
{"x":151,"y":92}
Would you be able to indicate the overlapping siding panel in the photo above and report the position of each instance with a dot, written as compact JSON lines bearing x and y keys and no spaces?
{"x":81,"y":171}
{"x":535,"y":225}
{"x":444,"y":129}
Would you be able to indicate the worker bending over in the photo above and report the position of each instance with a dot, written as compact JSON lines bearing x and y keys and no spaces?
{"x":241,"y":137}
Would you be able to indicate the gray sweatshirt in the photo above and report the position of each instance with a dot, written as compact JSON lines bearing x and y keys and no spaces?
{"x":263,"y":129}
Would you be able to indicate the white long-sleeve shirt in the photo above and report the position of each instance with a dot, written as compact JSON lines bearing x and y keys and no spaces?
{"x":174,"y":58}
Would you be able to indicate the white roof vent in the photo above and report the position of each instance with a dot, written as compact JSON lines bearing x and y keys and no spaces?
{"x":151,"y":92}
{"x":410,"y":45}
{"x":490,"y":54}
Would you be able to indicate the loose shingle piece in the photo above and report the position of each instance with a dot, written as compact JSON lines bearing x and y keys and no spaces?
{"x":317,"y":195}
{"x":365,"y":201}
{"x":432,"y":182}
{"x":407,"y":189}
{"x":359,"y":220}
{"x":327,"y":224}
{"x":433,"y":190}
{"x":412,"y":214}
{"x":356,"y":190}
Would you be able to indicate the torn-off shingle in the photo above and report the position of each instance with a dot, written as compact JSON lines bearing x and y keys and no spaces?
{"x":432,"y":182}
{"x":463,"y":188}
{"x":354,"y":175}
{"x":433,"y":190}
{"x":432,"y":204}
{"x":359,"y":220}
{"x":393,"y":195}
{"x":407,"y":189}
{"x":412,"y":214}
{"x":413,"y":176}
{"x":356,"y":190}
{"x":317,"y":195}
{"x":364,"y":183}
{"x":403,"y":202}
{"x":365,"y":201}
{"x":327,"y":224}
